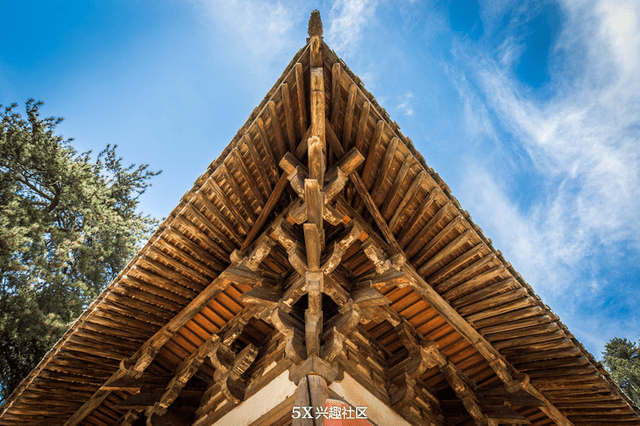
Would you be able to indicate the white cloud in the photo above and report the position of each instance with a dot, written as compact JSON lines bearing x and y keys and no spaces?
{"x":587,"y":138}
{"x":260,"y":32}
{"x":476,"y":115}
{"x":584,"y":142}
{"x":348,"y":18}
{"x":406,"y":104}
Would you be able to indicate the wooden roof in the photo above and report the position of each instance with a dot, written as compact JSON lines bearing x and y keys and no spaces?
{"x":458,"y":330}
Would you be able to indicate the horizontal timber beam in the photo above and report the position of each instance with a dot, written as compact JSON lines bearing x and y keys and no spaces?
{"x":138,"y":362}
{"x":503,"y":369}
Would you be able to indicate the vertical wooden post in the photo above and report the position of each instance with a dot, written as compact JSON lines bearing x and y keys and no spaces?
{"x":313,"y":315}
{"x":317,"y":148}
{"x":314,"y":197}
{"x":303,"y":400}
{"x":312,"y":392}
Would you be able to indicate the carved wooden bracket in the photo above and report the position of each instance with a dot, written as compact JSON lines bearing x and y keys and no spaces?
{"x":230,"y":368}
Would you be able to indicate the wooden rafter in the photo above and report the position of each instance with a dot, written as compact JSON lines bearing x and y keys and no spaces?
{"x":288,"y":116}
{"x":302,"y":103}
{"x":348,"y":116}
{"x":431,"y":266}
{"x":277,"y":130}
{"x":266,"y":146}
{"x":362,"y":124}
{"x":138,"y":363}
{"x":335,"y":92}
{"x":503,"y":369}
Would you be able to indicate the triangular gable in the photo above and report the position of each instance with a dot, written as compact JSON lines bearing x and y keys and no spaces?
{"x":321,"y":251}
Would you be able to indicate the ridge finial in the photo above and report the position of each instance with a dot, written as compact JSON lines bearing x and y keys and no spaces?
{"x":315,"y":24}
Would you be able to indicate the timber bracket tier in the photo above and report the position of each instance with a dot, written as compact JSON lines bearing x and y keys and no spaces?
{"x":319,"y":258}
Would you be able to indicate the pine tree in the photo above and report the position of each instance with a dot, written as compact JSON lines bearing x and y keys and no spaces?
{"x":622,"y":358}
{"x":67,"y":226}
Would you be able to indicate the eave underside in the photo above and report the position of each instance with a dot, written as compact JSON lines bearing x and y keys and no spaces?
{"x":444,"y":282}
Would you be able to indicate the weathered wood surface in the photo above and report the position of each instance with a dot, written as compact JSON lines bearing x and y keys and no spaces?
{"x":384,"y":243}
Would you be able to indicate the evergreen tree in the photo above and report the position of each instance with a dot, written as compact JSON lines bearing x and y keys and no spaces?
{"x":622,"y":358}
{"x":68,"y":225}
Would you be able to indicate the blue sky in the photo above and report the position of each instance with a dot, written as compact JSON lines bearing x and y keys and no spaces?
{"x":530,"y":111}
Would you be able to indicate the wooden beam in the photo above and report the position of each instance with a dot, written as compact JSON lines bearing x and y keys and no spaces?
{"x":229,"y":245}
{"x":191,"y":228}
{"x":313,"y":331}
{"x":434,"y":241}
{"x":206,"y":257}
{"x":293,"y":331}
{"x":218,"y":192}
{"x":303,"y":400}
{"x":266,"y":211}
{"x":334,"y":142}
{"x":512,"y":379}
{"x":465,"y":274}
{"x":190,"y":284}
{"x":362,"y":125}
{"x":503,"y":286}
{"x":129,"y":418}
{"x":420,"y":238}
{"x":407,"y":198}
{"x":337,"y":176}
{"x":348,"y":117}
{"x":383,"y":170}
{"x":199,"y":272}
{"x":288,"y":115}
{"x":417,"y":215}
{"x":217,"y":214}
{"x":314,"y":236}
{"x":317,"y":105}
{"x":396,"y":185}
{"x":465,"y":391}
{"x":373,"y":150}
{"x":471,"y":284}
{"x":313,"y":246}
{"x":289,"y":163}
{"x":138,"y":362}
{"x":373,"y":210}
{"x":258,"y":162}
{"x":266,"y":146}
{"x":302,"y":102}
{"x":248,"y":177}
{"x":389,"y":278}
{"x":317,"y":161}
{"x":315,"y":43}
{"x":339,"y":248}
{"x":478,"y":250}
{"x":349,"y":162}
{"x":182,"y":374}
{"x":283,"y":232}
{"x":314,"y":200}
{"x":230,"y":368}
{"x":277,"y":130}
{"x":235,"y":189}
{"x":336,"y":72}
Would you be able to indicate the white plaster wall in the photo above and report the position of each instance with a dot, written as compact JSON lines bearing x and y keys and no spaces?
{"x":358,"y":396}
{"x":260,"y":403}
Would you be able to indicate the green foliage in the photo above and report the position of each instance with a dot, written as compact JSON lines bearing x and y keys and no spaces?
{"x":67,"y":227}
{"x":622,"y":358}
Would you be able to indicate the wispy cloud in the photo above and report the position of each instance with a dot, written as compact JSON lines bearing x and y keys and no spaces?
{"x":584,"y":140}
{"x":586,"y":137}
{"x":406,"y":104}
{"x":260,"y":32}
{"x":348,"y":18}
{"x":476,"y":114}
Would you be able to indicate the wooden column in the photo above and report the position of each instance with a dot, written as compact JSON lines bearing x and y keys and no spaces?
{"x":314,"y":197}
{"x":311,"y":394}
